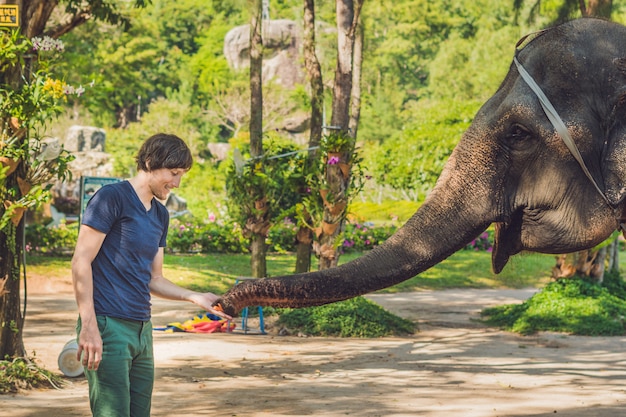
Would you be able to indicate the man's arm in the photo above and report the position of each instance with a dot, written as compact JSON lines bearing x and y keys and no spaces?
{"x":164,"y":288}
{"x":89,"y":340}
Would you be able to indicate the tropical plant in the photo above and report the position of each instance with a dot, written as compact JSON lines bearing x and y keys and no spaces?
{"x":26,"y":112}
{"x":337,"y":150}
{"x":260,"y":189}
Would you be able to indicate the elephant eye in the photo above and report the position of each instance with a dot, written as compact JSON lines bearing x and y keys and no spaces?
{"x":518,"y":133}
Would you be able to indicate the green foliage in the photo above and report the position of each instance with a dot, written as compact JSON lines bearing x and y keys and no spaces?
{"x":482,"y":242}
{"x":357,"y":317}
{"x":263,"y":188}
{"x":470,"y":69}
{"x":359,"y":237}
{"x":55,"y":240}
{"x":402,"y":42}
{"x":188,"y":236}
{"x":27,"y":107}
{"x":23,"y":373}
{"x":107,"y":11}
{"x":192,"y":19}
{"x":574,"y":306}
{"x":415,"y":160}
{"x":449,"y":52}
{"x":281,"y":237}
{"x":125,"y":69}
{"x":321,"y":200}
{"x":203,"y":189}
{"x":209,"y":66}
{"x":123,"y":144}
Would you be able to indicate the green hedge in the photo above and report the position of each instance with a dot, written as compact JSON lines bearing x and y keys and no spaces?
{"x":193,"y":236}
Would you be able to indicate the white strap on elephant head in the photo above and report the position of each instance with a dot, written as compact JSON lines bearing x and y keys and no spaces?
{"x":558,"y":124}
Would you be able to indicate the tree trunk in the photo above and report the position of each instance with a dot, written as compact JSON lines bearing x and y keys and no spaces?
{"x":342,"y":87}
{"x":11,"y":317}
{"x":304,"y":237}
{"x":33,"y":16}
{"x":355,"y":111}
{"x":348,"y":12}
{"x":599,"y":8}
{"x":613,"y":266}
{"x":258,"y":252}
{"x":257,"y":247}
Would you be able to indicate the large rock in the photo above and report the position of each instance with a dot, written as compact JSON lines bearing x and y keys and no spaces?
{"x":85,"y":139}
{"x":281,"y":41}
{"x":87,"y":144}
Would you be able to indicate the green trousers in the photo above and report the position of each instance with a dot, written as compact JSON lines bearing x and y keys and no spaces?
{"x":122,"y":385}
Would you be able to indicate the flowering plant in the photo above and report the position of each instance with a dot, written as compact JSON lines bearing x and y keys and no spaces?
{"x":263,"y":187}
{"x":325,"y":201}
{"x":337,"y":141}
{"x":30,"y":97}
{"x":482,"y":242}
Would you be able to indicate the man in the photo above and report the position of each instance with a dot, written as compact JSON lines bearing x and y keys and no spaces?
{"x":117,"y":265}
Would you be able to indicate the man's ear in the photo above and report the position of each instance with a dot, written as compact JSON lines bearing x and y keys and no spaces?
{"x":614,"y":168}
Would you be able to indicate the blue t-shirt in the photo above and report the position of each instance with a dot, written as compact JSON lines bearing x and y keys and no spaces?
{"x":122,"y":268}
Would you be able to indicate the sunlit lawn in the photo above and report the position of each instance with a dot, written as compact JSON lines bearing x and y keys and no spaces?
{"x":218,"y":272}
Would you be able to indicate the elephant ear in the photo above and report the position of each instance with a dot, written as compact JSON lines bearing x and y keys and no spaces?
{"x":614,"y":169}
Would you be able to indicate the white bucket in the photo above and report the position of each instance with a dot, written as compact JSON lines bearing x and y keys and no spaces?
{"x":68,"y":364}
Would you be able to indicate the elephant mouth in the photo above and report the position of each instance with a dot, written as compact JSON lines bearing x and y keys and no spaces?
{"x":507,"y":241}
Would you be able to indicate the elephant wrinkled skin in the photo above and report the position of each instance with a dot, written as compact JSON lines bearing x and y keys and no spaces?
{"x":511,"y":168}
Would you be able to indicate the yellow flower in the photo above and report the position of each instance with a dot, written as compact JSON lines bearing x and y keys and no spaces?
{"x":56,"y":88}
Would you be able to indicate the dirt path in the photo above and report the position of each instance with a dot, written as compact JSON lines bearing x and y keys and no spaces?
{"x":452,"y":367}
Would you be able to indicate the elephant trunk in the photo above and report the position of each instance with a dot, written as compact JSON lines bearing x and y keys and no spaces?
{"x":449,"y":219}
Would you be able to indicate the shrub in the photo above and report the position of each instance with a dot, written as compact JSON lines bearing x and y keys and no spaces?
{"x":574,"y":306}
{"x":55,"y":240}
{"x":282,"y":236}
{"x":359,"y":237}
{"x":482,"y":242}
{"x":227,"y":238}
{"x":189,"y":235}
{"x":357,"y":317}
{"x":183,"y":236}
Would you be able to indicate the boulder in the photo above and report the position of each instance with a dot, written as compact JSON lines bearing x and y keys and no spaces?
{"x":87,"y":144}
{"x":281,"y":42}
{"x":85,"y":139}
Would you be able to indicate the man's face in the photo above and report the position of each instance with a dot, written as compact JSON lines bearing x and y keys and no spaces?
{"x":163,"y":180}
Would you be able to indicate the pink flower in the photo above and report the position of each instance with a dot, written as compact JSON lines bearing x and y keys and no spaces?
{"x":333,"y":160}
{"x":212,"y":217}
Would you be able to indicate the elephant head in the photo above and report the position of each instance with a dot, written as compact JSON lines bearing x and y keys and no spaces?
{"x":511,"y":168}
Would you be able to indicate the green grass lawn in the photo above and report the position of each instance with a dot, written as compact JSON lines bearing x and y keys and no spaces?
{"x":570,"y":306}
{"x":218,"y":272}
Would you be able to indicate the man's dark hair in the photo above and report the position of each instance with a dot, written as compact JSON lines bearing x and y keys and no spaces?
{"x":163,"y":151}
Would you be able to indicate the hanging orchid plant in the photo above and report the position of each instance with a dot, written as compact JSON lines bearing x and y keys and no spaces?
{"x":30,"y":98}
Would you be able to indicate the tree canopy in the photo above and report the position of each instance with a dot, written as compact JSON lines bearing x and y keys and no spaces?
{"x":423,"y":61}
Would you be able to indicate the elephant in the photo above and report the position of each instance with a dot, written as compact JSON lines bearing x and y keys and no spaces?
{"x":548,"y":184}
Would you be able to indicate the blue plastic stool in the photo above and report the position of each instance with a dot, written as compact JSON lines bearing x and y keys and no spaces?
{"x":245,"y":310}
